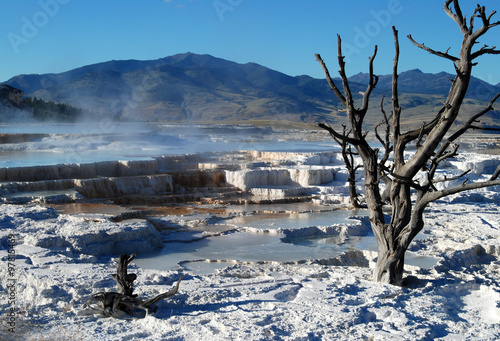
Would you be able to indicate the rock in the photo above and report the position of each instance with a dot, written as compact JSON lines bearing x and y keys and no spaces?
{"x":99,"y":238}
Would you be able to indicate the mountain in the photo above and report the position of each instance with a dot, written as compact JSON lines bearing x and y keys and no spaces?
{"x":192,"y":87}
{"x":184,"y":87}
{"x":417,"y":82}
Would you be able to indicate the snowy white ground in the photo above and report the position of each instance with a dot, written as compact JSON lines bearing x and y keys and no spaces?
{"x":457,"y":299}
{"x":54,"y":275}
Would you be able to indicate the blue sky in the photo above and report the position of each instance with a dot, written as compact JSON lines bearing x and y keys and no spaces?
{"x":51,"y":36}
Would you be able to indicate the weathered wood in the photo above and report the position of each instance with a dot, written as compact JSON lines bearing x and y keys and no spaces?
{"x":406,"y":220}
{"x":124,"y":302}
{"x":124,"y":280}
{"x":348,"y":156}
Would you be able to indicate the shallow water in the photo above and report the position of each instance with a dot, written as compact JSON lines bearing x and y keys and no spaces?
{"x":212,"y":253}
{"x":238,"y":246}
{"x":291,"y":220}
{"x":89,"y":208}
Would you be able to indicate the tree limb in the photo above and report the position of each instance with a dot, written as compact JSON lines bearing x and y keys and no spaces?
{"x":349,"y":103}
{"x":433,"y":196}
{"x":396,"y":108}
{"x":485,"y":50}
{"x":437,"y":53}
{"x":469,"y":124}
{"x":337,"y":135}
{"x":446,"y":179}
{"x":402,"y":179}
{"x":458,"y":17}
{"x":371,"y":85}
{"x":386,"y":141}
{"x":333,"y":87}
{"x":496,"y":173}
{"x":480,"y":12}
{"x":484,"y":128}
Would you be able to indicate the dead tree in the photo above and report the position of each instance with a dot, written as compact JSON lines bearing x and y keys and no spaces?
{"x":124,"y":302}
{"x":349,"y":162}
{"x":406,"y":219}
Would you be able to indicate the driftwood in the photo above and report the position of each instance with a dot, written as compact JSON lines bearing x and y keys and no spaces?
{"x":124,"y":302}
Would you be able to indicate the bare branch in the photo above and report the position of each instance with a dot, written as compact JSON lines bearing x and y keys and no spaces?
{"x":468,"y":125}
{"x":442,"y":153}
{"x":480,"y":12}
{"x":484,"y":128}
{"x":458,"y":17}
{"x":495,"y":174}
{"x":384,"y":122}
{"x":440,"y":157}
{"x":430,"y":197}
{"x":472,"y":18}
{"x":437,"y":53}
{"x":373,"y":82}
{"x":485,"y":50}
{"x":386,"y":141}
{"x":337,"y":92}
{"x":396,"y":109}
{"x":337,"y":135}
{"x":349,"y":103}
{"x":402,"y":179}
{"x":398,"y":147}
{"x":423,"y":130}
{"x":446,"y":179}
{"x":167,"y":294}
{"x":420,"y":135}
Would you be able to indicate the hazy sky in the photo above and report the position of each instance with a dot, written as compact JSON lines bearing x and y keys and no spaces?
{"x":52,"y":36}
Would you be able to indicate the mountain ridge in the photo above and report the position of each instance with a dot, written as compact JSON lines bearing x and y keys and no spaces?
{"x":194,"y":87}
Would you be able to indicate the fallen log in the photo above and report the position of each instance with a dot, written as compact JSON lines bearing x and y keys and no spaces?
{"x":124,"y":302}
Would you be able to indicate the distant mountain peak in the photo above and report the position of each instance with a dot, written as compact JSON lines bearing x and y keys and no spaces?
{"x":189,"y":59}
{"x":413,"y":71}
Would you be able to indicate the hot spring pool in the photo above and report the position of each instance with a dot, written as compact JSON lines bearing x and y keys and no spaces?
{"x":255,"y":245}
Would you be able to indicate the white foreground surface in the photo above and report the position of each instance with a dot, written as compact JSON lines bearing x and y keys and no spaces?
{"x":457,"y":299}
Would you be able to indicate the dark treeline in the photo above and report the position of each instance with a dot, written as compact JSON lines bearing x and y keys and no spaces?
{"x":43,"y":110}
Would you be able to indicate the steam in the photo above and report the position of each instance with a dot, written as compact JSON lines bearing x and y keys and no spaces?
{"x":109,"y":140}
{"x":14,"y":115}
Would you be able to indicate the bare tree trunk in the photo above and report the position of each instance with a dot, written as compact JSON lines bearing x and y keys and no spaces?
{"x":348,"y":157}
{"x":406,"y":220}
{"x":353,"y":192}
{"x":124,"y":280}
